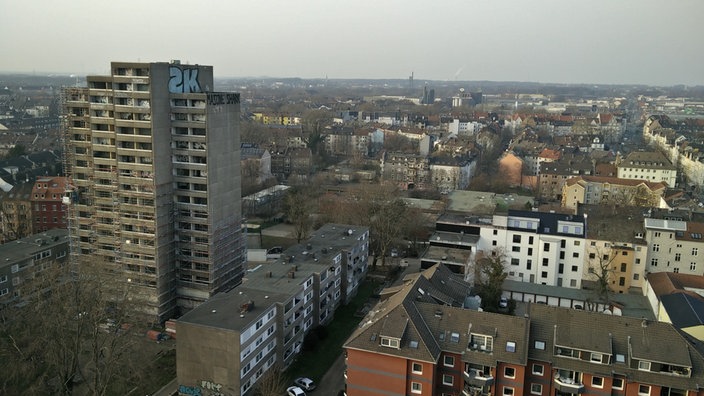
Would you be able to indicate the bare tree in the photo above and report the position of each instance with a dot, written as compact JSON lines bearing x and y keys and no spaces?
{"x":251,"y":173}
{"x":313,"y":122}
{"x":641,"y":196}
{"x":67,"y":334}
{"x":380,"y":208}
{"x":600,"y":269}
{"x":272,"y":383}
{"x":490,"y":273}
{"x":299,"y":207}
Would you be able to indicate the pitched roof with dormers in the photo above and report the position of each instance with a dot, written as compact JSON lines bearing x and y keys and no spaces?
{"x":632,"y":339}
{"x":427,"y":311}
{"x":647,"y":160}
{"x":427,"y":327}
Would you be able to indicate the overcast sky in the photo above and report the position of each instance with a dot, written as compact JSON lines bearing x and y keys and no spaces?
{"x":654,"y":42}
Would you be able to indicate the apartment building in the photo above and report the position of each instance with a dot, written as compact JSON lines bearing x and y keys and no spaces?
{"x":226,"y":344}
{"x":24,"y":258}
{"x":554,"y":174}
{"x":48,"y":210}
{"x":678,"y":149}
{"x":541,"y":247}
{"x":674,"y":245}
{"x":15,"y":212}
{"x":153,"y":158}
{"x":538,"y":247}
{"x":451,"y":173}
{"x":647,"y":165}
{"x":611,"y":191}
{"x":406,"y":170}
{"x":616,"y":254}
{"x":421,"y":340}
{"x":347,"y":141}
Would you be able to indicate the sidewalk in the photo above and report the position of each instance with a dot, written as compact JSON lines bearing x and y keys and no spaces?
{"x":333,"y":381}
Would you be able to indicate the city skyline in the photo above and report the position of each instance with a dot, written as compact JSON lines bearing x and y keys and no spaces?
{"x":546,"y":41}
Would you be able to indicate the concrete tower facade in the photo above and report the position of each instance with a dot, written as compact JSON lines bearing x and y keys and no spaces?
{"x":153,"y":157}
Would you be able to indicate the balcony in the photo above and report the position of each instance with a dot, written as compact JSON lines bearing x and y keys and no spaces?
{"x":475,"y":391}
{"x":478,"y":378}
{"x":568,"y":385}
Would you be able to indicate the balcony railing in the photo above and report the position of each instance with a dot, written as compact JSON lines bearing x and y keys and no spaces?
{"x":568,"y":385}
{"x":478,"y":378}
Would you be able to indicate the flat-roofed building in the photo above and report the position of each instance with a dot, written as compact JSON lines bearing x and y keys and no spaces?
{"x":229,"y":342}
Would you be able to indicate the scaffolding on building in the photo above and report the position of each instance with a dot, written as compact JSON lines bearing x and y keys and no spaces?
{"x":229,"y":251}
{"x":70,"y":117}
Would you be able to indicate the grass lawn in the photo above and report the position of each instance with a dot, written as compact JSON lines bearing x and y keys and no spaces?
{"x":315,"y":363}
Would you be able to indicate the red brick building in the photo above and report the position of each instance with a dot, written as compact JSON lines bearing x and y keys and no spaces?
{"x":48,"y":212}
{"x":419,"y":340}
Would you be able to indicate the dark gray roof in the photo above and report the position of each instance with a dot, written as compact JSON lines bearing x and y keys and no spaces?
{"x":601,"y":219}
{"x":549,"y":221}
{"x":634,"y":339}
{"x":24,"y":248}
{"x":683,"y":309}
{"x":428,"y":304}
{"x":223,"y":311}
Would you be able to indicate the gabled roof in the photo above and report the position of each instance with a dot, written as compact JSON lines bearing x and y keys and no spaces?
{"x":430,"y":304}
{"x":616,"y":181}
{"x":428,"y":328}
{"x":550,"y":154}
{"x":633,"y":339}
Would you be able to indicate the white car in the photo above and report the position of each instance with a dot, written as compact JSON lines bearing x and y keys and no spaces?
{"x":503,"y":302}
{"x":304,"y":383}
{"x":295,"y":391}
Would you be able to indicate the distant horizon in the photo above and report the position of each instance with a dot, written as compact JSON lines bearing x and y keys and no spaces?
{"x":417,"y":81}
{"x":601,"y":42}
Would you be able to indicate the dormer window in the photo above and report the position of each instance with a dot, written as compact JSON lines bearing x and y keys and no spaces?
{"x":390,"y":342}
{"x":481,"y":342}
{"x":644,"y":365}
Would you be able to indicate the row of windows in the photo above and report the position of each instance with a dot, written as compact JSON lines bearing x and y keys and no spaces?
{"x":597,"y":382}
{"x":656,"y":248}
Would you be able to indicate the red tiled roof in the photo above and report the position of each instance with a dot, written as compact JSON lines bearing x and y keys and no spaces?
{"x":550,"y":154}
{"x":664,"y":283}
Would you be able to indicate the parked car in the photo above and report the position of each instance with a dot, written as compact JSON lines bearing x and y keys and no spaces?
{"x":304,"y":383}
{"x":503,"y":302}
{"x":295,"y":391}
